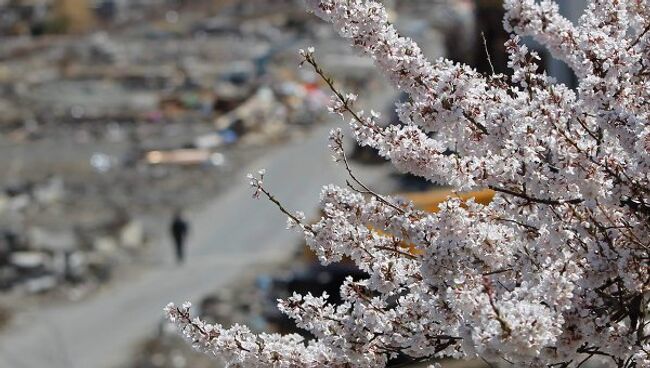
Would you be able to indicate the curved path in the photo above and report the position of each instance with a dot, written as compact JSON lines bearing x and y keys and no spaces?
{"x":231,"y":233}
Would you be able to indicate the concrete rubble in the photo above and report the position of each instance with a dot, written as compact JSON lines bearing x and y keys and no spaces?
{"x":39,"y":254}
{"x":105,"y":128}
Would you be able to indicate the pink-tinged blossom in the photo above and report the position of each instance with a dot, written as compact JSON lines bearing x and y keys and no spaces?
{"x":552,"y":273}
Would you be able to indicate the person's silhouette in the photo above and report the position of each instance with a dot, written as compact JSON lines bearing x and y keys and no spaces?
{"x":179,"y":229}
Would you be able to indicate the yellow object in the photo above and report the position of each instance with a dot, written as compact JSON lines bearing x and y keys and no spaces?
{"x":428,"y":201}
{"x":77,"y":14}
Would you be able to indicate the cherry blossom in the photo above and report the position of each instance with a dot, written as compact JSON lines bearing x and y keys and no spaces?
{"x":554,"y":272}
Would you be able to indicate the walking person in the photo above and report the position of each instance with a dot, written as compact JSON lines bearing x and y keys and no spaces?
{"x":179,"y":229}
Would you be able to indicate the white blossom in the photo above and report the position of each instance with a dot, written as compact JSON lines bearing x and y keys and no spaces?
{"x":553,"y":272}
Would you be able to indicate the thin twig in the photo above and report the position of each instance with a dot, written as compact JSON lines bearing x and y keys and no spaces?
{"x":636,"y":41}
{"x":487,"y":52}
{"x":284,"y":210}
{"x":498,"y":272}
{"x":362,"y":185}
{"x":402,"y":253}
{"x":526,"y":226}
{"x":537,"y":200}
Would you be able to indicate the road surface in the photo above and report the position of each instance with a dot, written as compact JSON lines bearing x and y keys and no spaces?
{"x":231,"y":233}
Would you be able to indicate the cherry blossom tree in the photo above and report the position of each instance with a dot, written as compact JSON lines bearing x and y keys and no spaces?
{"x":554,"y":272}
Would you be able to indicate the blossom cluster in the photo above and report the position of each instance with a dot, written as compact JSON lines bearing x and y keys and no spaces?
{"x":554,"y":272}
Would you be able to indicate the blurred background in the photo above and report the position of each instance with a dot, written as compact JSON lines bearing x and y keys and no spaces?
{"x":126,"y":131}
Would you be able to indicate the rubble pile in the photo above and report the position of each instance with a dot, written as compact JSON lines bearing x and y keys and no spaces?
{"x":105,"y":131}
{"x":40,"y":253}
